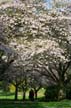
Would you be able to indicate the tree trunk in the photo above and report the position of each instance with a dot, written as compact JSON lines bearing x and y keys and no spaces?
{"x":36,"y":91}
{"x":62,"y":92}
{"x":24,"y":94}
{"x":16,"y":92}
{"x":36,"y":94}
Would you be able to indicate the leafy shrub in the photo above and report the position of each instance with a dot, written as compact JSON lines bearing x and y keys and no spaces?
{"x":51,"y":93}
{"x":68,"y":92}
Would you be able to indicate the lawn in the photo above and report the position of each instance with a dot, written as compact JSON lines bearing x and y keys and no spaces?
{"x":7,"y":101}
{"x":21,"y":104}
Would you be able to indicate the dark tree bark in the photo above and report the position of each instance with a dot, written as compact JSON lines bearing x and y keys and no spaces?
{"x":36,"y":92}
{"x":16,"y":92}
{"x":61,"y":92}
{"x":24,"y":95}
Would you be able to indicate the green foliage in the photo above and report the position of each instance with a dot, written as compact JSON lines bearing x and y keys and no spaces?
{"x":68,"y":92}
{"x":51,"y":93}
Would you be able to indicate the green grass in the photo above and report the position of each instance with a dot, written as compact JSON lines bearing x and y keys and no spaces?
{"x":6,"y":95}
{"x":21,"y":104}
{"x":6,"y":101}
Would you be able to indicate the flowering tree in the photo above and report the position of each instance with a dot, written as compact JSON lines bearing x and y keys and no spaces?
{"x":6,"y":54}
{"x":40,"y":41}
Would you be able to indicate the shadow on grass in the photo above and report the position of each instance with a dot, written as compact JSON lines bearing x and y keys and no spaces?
{"x":20,"y":104}
{"x":35,"y":104}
